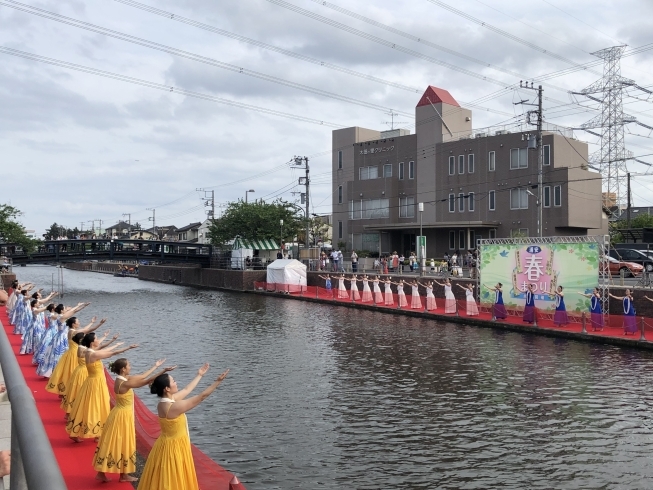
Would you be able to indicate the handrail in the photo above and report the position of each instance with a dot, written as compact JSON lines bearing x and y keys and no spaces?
{"x":33,"y":464}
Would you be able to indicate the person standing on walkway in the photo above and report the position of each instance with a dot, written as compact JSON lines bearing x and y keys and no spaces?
{"x":354,"y":261}
{"x":430,"y":298}
{"x":116,"y":449}
{"x":449,"y":298}
{"x":416,"y":300}
{"x":471,"y":309}
{"x":389,"y":298}
{"x":629,"y":319}
{"x":395,"y":261}
{"x":367,"y":292}
{"x":170,"y":463}
{"x":498,"y":309}
{"x":529,"y":307}
{"x":596,"y":312}
{"x":91,"y":406}
{"x":334,"y":260}
{"x":378,"y":296}
{"x":560,"y":316}
{"x":353,"y":287}
{"x":341,"y":261}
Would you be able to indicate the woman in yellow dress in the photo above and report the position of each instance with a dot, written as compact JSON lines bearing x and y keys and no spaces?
{"x":116,"y":450}
{"x":91,"y":406}
{"x":170,"y":463}
{"x":68,"y":362}
{"x":80,"y":373}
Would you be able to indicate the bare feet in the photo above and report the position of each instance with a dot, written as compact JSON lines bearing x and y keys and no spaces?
{"x":75,"y":439}
{"x":5,"y":463}
{"x":97,"y":439}
{"x":102,"y":477}
{"x":127,"y":478}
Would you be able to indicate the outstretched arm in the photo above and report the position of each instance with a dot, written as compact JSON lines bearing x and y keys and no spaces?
{"x":181,"y":394}
{"x":68,"y":313}
{"x":92,"y":328}
{"x":143,"y":379}
{"x":184,"y":406}
{"x":108,"y":352}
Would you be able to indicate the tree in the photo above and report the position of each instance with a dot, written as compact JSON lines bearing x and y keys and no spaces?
{"x":318,"y":229}
{"x":640,"y":221}
{"x":11,"y":231}
{"x":256,"y":220}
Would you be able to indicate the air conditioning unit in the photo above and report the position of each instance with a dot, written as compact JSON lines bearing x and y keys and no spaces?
{"x":501,"y":131}
{"x":481,"y":135}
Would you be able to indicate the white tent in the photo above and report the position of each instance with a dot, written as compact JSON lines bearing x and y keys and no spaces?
{"x":287,"y":271}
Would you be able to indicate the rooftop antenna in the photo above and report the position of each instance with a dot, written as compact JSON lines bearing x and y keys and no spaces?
{"x":392,"y":121}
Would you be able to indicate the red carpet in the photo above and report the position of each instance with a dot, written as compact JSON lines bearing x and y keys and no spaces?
{"x":76,"y":460}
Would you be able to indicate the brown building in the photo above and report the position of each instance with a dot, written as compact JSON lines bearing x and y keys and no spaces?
{"x":474,"y":184}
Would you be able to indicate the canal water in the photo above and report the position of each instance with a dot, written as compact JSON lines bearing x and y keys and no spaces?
{"x":326,"y":397}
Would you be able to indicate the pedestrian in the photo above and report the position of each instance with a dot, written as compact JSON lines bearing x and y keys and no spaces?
{"x":334,"y":260}
{"x":395,"y":261}
{"x":560,"y":317}
{"x":354,"y":261}
{"x":341,"y":262}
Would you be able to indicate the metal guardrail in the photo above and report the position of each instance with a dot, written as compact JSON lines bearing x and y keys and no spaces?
{"x":33,"y":464}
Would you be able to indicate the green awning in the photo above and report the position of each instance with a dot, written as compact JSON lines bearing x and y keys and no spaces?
{"x":262,"y":244}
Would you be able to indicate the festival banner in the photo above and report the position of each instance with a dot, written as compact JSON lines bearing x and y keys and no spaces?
{"x":574,"y":266}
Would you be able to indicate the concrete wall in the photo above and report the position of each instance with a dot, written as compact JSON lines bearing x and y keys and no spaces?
{"x":198,"y":277}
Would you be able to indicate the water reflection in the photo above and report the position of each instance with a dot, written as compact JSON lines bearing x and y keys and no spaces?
{"x":328,"y":397}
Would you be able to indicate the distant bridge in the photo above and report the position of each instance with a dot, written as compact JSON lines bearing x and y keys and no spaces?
{"x":59,"y":251}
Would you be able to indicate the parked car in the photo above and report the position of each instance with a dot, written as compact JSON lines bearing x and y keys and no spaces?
{"x":629,"y":268}
{"x":632,"y":255}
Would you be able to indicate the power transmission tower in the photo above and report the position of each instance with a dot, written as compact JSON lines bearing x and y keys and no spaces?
{"x":208,"y":201}
{"x":612,"y":157}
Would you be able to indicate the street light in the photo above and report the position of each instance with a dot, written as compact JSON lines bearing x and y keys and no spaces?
{"x":251,"y":190}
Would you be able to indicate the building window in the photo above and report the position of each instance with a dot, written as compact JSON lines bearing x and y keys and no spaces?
{"x":339,"y":158}
{"x":375,"y":208}
{"x":491,"y":200}
{"x":411,"y":170}
{"x":452,"y":240}
{"x":461,"y":202}
{"x":340,"y":230}
{"x":367,"y":173}
{"x":518,"y":199}
{"x":339,"y":194}
{"x":546,"y":196}
{"x":518,"y":158}
{"x":461,"y":164}
{"x":519,"y":232}
{"x":401,"y":170}
{"x":491,"y":165}
{"x":406,"y":207}
{"x":470,"y":163}
{"x":493,"y":233}
{"x":452,"y":165}
{"x":461,"y":241}
{"x":387,"y":170}
{"x":452,"y":203}
{"x":472,"y":239}
{"x":546,"y":158}
{"x":557,"y":195}
{"x":470,"y":206}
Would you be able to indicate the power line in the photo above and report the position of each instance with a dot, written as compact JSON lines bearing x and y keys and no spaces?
{"x":188,"y":55}
{"x":159,"y":86}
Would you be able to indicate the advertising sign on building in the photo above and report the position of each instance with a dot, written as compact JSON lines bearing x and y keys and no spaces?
{"x":575,"y":266}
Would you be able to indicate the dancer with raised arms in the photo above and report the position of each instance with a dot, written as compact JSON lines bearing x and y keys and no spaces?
{"x":378,"y":296}
{"x":401,"y":294}
{"x":430,"y":297}
{"x":560,"y":316}
{"x":389,"y":298}
{"x":367,"y":292}
{"x":449,"y":298}
{"x":629,"y":319}
{"x":529,"y":307}
{"x":170,"y":463}
{"x":498,"y":308}
{"x":415,"y":300}
{"x":353,"y":287}
{"x":471,"y":308}
{"x":596,"y":311}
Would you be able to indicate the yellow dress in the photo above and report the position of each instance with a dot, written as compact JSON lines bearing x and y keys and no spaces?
{"x":116,"y":450}
{"x":170,"y":464}
{"x":63,"y":370}
{"x":74,"y":384}
{"x":91,"y":406}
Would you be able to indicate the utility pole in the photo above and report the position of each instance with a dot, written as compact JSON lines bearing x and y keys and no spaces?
{"x":81,"y":224}
{"x":628,"y":191}
{"x":306,"y":182}
{"x":540,"y":150}
{"x":100,"y":228}
{"x":92,"y":227}
{"x":210,"y":201}
{"x":153,"y":220}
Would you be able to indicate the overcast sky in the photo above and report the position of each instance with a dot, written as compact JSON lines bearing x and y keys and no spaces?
{"x":76,"y":146}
